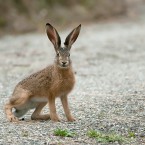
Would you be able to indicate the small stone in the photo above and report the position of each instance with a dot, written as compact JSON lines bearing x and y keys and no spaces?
{"x":23,"y":119}
{"x":142,"y":135}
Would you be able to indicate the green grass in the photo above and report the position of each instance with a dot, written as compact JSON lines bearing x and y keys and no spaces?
{"x":105,"y":138}
{"x":64,"y":133}
{"x":99,"y":136}
{"x":131,"y":134}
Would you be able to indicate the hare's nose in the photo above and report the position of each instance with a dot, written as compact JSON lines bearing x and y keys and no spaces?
{"x":64,"y":63}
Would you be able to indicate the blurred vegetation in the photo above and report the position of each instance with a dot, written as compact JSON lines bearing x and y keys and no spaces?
{"x":26,"y":15}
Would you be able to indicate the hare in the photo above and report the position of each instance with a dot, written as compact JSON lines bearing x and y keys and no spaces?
{"x":42,"y":87}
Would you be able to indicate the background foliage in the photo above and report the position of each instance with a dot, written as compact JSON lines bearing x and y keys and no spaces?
{"x":26,"y":15}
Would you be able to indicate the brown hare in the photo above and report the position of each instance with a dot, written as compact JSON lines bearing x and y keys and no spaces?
{"x":42,"y":87}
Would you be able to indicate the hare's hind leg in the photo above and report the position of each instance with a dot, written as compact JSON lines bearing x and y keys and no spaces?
{"x":20,"y":113}
{"x":36,"y":114}
{"x":8,"y":110}
{"x":18,"y":103}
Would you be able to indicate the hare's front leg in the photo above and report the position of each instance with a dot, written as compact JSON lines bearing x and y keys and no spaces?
{"x":36,"y":114}
{"x":52,"y":108}
{"x":64,"y":101}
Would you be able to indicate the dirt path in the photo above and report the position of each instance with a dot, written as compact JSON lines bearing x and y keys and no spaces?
{"x":109,"y":96}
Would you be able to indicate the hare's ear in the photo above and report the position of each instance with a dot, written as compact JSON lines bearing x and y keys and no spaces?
{"x":53,"y":36}
{"x":71,"y":38}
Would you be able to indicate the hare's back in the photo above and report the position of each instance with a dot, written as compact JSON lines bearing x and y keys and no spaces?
{"x":37,"y":82}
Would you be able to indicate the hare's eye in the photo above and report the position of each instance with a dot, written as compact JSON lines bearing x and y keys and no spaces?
{"x":57,"y":54}
{"x":68,"y":55}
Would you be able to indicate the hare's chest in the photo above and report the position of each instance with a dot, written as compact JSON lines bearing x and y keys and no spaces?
{"x":64,"y":86}
{"x":67,"y":84}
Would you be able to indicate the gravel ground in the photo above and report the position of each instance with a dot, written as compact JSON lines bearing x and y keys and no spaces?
{"x":109,"y":96}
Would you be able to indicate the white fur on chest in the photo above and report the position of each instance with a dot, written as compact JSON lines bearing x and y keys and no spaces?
{"x":39,"y":99}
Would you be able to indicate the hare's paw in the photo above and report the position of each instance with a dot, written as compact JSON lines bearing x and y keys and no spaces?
{"x":55,"y":118}
{"x":12,"y":118}
{"x":71,"y":119}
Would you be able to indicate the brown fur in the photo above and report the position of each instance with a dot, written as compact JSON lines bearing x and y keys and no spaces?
{"x":45,"y":85}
